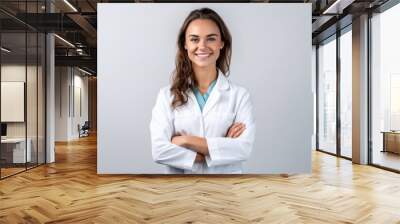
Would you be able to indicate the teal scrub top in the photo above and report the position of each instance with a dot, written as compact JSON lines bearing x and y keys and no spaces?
{"x":202,"y":99}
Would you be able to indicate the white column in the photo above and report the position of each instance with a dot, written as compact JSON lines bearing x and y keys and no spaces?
{"x":50,"y":110}
{"x":50,"y":92}
{"x":63,"y":99}
{"x":360,"y":90}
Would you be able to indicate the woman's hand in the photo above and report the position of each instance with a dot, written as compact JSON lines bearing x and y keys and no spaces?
{"x":179,"y":140}
{"x":199,"y":158}
{"x":235,"y":130}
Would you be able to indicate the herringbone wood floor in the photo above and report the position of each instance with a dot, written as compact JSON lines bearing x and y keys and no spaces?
{"x":70,"y":191}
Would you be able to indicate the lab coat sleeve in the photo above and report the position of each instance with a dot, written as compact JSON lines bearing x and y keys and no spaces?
{"x":161,"y":129}
{"x":225,"y":150}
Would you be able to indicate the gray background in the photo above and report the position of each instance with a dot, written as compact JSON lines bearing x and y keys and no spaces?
{"x":271,"y":58}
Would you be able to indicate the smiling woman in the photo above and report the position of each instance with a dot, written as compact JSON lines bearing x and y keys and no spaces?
{"x":202,"y":123}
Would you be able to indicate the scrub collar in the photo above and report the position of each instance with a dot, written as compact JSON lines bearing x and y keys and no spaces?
{"x":202,"y":98}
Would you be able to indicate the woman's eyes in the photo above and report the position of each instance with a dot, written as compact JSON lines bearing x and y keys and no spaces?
{"x":208,"y":39}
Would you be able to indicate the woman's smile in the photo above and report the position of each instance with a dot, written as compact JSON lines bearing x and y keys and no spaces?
{"x":203,"y":55}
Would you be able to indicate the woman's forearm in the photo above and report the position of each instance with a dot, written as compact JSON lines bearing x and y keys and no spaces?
{"x":200,"y":145}
{"x":197,"y":144}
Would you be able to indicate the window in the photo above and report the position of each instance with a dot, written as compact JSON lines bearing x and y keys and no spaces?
{"x":385,"y":88}
{"x":327,"y":96}
{"x":346,"y":93}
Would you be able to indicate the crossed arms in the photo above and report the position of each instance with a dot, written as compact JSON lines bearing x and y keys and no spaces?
{"x":183,"y":150}
{"x":199,"y":144}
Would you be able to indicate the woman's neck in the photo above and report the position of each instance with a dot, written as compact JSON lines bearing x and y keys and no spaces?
{"x":204,"y":77}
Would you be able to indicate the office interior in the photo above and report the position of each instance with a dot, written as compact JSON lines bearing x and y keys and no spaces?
{"x":48,"y":82}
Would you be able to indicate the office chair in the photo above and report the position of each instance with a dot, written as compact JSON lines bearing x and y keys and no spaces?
{"x":84,"y":130}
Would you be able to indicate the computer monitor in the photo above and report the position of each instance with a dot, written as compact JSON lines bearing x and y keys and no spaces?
{"x":3,"y":129}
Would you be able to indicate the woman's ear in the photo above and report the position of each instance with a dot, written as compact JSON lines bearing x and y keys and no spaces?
{"x":222,"y":44}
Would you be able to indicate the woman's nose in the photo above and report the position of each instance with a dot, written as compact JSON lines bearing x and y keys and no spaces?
{"x":202,"y":44}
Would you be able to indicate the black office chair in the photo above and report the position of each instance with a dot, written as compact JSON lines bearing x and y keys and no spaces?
{"x":84,"y":130}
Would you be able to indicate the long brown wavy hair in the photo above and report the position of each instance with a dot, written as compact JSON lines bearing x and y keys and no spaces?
{"x":183,"y":77}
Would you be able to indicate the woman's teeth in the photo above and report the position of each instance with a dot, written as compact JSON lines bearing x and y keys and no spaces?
{"x":203,"y":55}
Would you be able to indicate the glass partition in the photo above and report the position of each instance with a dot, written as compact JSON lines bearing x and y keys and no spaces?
{"x":22,"y":63}
{"x":13,"y":110}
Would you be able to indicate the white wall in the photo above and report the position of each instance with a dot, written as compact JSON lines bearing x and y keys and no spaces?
{"x":68,"y":81}
{"x":61,"y":103}
{"x":79,"y":117}
{"x":271,"y":57}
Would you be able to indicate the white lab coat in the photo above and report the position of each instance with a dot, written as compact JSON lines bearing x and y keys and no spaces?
{"x":227,"y":104}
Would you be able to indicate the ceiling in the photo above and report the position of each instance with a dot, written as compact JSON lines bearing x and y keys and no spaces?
{"x":76,"y":22}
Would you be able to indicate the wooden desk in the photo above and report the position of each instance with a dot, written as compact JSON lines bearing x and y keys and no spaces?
{"x":13,"y":150}
{"x":391,"y":141}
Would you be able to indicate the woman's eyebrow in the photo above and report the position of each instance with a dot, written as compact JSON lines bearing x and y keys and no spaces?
{"x":209,"y":35}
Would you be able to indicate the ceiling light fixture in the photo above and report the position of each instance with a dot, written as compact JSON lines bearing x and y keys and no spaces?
{"x":5,"y":50}
{"x":84,"y":71}
{"x":70,"y":5}
{"x":337,"y":7}
{"x":64,"y":40}
{"x":329,"y":9}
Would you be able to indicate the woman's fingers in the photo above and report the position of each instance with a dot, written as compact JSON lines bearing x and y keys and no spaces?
{"x":236,"y":130}
{"x":239,"y":132}
{"x":231,"y":129}
{"x":199,"y":158}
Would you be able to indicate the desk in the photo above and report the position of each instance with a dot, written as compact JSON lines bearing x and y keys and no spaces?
{"x":391,"y":141}
{"x":15,"y":148}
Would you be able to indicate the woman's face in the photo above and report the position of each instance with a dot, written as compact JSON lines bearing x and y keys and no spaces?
{"x":203,"y":42}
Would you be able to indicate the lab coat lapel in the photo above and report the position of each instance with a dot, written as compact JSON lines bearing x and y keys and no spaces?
{"x":219,"y":88}
{"x":212,"y":101}
{"x":193,"y":102}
